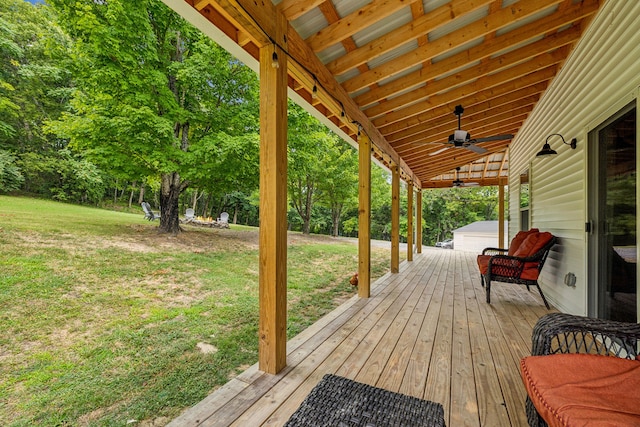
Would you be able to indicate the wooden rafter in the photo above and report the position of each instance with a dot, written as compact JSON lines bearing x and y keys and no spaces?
{"x":447,"y":43}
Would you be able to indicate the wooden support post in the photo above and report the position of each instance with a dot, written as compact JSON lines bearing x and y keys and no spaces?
{"x":501,"y":242}
{"x":364,"y":216}
{"x":409,"y":221}
{"x":395,"y":219}
{"x":272,"y":348}
{"x":419,"y":222}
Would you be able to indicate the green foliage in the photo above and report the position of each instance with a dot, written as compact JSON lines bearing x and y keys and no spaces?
{"x":63,"y":176}
{"x":35,"y":79}
{"x":446,"y":209}
{"x":10,"y":176}
{"x":307,"y":160}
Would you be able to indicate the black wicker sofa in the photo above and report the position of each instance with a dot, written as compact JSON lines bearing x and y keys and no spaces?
{"x":582,"y":372}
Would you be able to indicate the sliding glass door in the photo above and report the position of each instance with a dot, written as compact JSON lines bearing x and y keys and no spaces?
{"x":613,"y":215}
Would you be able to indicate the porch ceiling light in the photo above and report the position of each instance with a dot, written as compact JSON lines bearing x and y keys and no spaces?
{"x":546,"y":148}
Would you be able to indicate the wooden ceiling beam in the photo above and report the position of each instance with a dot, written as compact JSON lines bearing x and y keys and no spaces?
{"x":480,"y":52}
{"x":540,"y":68}
{"x":419,"y":27}
{"x":293,"y":9}
{"x":357,"y":21}
{"x":477,"y":112}
{"x":502,"y":18}
{"x":500,"y":63}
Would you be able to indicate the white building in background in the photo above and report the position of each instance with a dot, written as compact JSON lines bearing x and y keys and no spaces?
{"x":476,"y":236}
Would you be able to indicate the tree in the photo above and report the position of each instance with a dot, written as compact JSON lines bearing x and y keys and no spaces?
{"x":147,"y":97}
{"x":339,"y":187}
{"x":308,"y":161}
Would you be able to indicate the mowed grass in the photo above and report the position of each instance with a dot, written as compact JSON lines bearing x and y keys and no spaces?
{"x":106,"y":322}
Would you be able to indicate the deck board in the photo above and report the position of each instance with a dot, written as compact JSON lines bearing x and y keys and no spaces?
{"x":426,"y":332}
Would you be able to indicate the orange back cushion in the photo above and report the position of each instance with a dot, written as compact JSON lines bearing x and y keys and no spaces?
{"x":543,"y":239}
{"x":533,"y":243}
{"x":527,"y":245}
{"x":518,"y":239}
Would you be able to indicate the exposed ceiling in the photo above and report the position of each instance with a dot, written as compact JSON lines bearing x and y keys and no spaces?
{"x":398,"y":68}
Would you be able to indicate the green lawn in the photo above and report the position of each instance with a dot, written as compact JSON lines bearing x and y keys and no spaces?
{"x":107,"y":322}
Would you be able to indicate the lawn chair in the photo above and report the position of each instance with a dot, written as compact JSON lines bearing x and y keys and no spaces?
{"x":189,"y":215}
{"x":224,"y":219}
{"x":148,"y":213}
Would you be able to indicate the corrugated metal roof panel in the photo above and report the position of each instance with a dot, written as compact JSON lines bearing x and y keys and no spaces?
{"x":346,"y":7}
{"x":405,"y":48}
{"x":310,"y":23}
{"x":459,"y":23}
{"x":532,"y":18}
{"x":384,"y":26}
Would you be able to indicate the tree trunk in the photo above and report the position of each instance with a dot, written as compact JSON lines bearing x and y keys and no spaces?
{"x":308,"y":205}
{"x":170,"y":190}
{"x":336,"y":212}
{"x":194,"y":200}
{"x":141,"y":197}
{"x":133,"y":189}
{"x":235,"y":214}
{"x":205,"y":209}
{"x":171,"y":187}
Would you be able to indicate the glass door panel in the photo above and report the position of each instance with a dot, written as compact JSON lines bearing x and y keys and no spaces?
{"x":613,"y":210}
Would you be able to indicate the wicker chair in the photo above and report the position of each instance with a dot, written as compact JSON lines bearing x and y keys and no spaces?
{"x":558,"y":333}
{"x":510,"y":269}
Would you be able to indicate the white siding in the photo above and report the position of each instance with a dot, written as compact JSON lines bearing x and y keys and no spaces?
{"x":472,"y":242}
{"x":601,"y":75}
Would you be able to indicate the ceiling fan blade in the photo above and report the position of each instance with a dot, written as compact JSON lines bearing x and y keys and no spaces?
{"x":427,"y":143}
{"x":475,"y":148}
{"x":439,"y":151}
{"x":493,"y":138}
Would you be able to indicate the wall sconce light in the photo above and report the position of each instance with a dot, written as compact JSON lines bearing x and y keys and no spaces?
{"x":546,"y":148}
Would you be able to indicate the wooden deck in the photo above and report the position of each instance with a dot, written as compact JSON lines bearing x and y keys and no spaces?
{"x":426,"y":332}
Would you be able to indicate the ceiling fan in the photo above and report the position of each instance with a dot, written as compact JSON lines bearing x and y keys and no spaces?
{"x":460,"y":183}
{"x":462,"y":139}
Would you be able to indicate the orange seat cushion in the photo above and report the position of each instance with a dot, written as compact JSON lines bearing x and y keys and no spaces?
{"x":572,"y":390}
{"x":530,"y":271}
{"x":483,"y":263}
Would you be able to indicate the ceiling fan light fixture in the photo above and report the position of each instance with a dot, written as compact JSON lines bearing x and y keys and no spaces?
{"x":460,"y":136}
